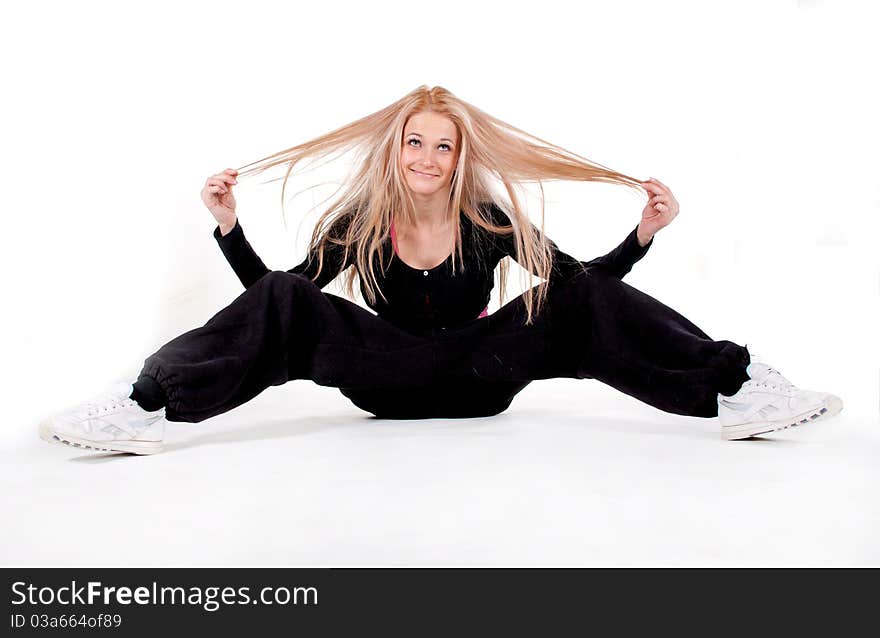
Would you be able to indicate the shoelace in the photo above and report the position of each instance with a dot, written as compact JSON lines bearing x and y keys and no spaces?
{"x":105,"y":403}
{"x":773,"y":379}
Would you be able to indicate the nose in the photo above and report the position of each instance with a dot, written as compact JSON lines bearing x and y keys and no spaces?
{"x":426,"y":157}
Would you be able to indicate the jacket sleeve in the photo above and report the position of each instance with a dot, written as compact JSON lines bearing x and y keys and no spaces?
{"x":618,"y":262}
{"x":249,"y":268}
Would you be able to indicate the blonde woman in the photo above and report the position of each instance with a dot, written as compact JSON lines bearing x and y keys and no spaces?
{"x":419,"y":225}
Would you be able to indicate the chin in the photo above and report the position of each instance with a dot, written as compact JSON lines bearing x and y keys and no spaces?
{"x":423,"y":189}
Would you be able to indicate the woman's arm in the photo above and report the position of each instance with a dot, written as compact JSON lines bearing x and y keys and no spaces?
{"x":660,"y":210}
{"x":240,"y":255}
{"x":249,"y":267}
{"x":618,"y":262}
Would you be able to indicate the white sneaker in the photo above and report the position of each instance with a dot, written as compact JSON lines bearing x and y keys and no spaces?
{"x":111,"y":422}
{"x":768,"y":402}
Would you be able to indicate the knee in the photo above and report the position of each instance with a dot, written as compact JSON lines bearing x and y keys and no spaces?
{"x":582,"y":284}
{"x":570,"y":301}
{"x":279,"y":277}
{"x":284,"y":282}
{"x":596,"y":278}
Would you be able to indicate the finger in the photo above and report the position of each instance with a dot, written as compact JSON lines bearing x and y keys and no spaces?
{"x":217,"y":182}
{"x":652,"y":187}
{"x":225,"y":177}
{"x":216,"y":189}
{"x":663,"y":208}
{"x":660,"y":187}
{"x":661,"y":184}
{"x":659,"y":198}
{"x":652,"y":183}
{"x":231,"y":171}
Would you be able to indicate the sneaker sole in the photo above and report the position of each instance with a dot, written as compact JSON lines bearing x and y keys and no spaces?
{"x":831,"y":407}
{"x":50,"y":435}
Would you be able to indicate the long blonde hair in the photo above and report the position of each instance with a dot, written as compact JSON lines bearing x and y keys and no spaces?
{"x":491,"y":151}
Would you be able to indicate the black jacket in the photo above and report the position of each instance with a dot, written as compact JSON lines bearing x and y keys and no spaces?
{"x":417,"y":299}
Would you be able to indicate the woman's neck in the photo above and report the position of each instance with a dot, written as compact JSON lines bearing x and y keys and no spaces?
{"x":431,"y":212}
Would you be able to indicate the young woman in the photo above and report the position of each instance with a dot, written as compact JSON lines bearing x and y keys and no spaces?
{"x":423,"y":228}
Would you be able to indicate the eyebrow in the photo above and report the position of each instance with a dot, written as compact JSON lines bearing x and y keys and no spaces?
{"x":442,"y":139}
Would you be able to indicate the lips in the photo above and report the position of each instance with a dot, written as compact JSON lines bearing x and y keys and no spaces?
{"x":423,"y":174}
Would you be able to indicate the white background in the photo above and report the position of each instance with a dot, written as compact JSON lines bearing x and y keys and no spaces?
{"x":760,"y":116}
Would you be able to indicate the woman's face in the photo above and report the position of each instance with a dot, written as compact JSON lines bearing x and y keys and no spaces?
{"x":429,"y":152}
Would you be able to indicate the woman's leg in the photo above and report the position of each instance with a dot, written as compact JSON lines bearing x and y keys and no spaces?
{"x":592,"y":326}
{"x":634,"y":343}
{"x":281,"y":328}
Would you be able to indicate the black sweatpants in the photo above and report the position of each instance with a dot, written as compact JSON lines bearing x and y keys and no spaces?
{"x":593,"y":325}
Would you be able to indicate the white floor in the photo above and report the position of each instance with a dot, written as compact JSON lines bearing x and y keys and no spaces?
{"x":574,"y":473}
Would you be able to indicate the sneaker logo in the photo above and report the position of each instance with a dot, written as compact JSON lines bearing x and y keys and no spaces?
{"x":739,"y":406}
{"x":768,"y":410}
{"x":746,"y":409}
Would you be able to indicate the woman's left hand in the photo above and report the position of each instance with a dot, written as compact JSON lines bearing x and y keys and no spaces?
{"x":659,"y":212}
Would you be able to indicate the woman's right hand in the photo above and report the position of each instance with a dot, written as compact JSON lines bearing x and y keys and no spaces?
{"x":217,"y":196}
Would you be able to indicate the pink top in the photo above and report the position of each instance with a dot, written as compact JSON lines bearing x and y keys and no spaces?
{"x":485,"y":312}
